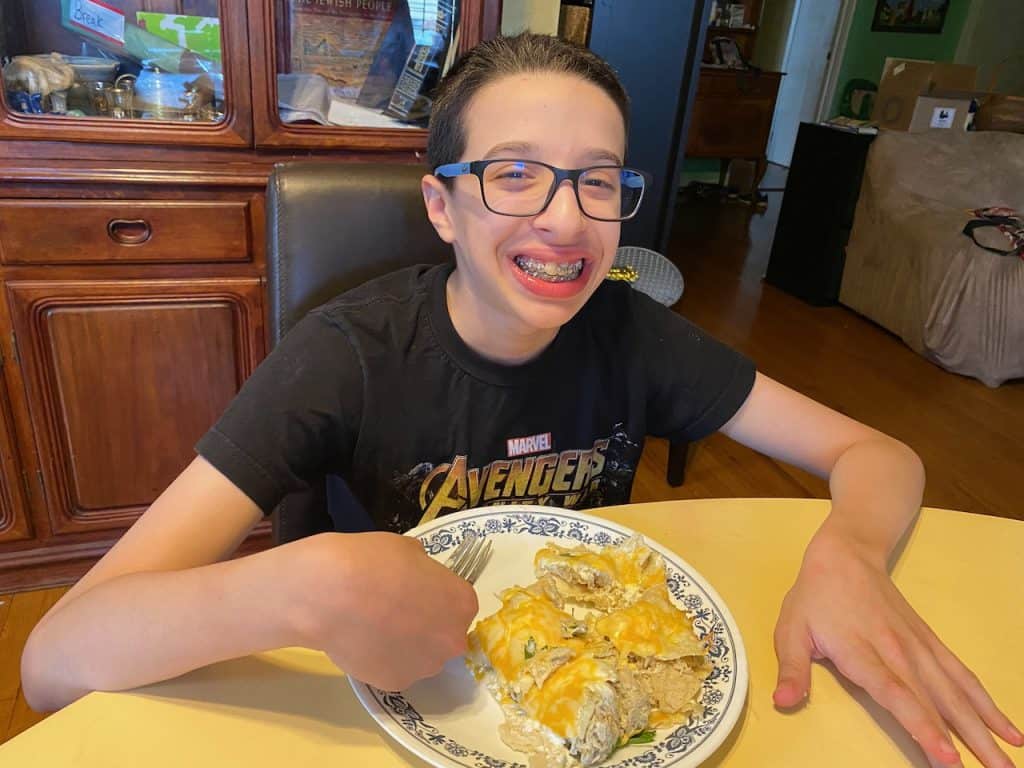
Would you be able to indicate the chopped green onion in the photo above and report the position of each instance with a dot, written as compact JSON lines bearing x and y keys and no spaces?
{"x":531,"y":648}
{"x":644,"y":737}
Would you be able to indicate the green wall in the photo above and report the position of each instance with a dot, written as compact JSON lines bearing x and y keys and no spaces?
{"x":866,"y":51}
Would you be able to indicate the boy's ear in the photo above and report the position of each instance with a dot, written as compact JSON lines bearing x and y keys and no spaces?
{"x":435,"y":197}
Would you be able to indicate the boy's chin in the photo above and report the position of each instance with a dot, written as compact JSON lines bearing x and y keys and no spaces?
{"x":548,"y":316}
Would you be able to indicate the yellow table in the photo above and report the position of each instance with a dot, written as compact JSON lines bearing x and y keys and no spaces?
{"x":292,"y":707}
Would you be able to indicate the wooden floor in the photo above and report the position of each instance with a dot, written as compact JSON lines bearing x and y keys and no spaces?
{"x":969,"y":436}
{"x":18,"y":614}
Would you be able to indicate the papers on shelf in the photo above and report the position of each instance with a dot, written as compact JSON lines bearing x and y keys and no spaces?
{"x":308,"y":96}
{"x":851,"y":125}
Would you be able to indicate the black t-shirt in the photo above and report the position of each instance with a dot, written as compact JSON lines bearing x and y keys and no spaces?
{"x":376,"y":386}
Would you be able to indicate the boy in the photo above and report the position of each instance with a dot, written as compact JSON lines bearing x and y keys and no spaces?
{"x":406,"y":383}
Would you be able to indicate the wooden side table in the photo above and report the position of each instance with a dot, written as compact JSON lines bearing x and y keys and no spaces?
{"x":732,"y":116}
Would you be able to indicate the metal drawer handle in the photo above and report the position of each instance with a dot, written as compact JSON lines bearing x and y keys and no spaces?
{"x":129,"y":231}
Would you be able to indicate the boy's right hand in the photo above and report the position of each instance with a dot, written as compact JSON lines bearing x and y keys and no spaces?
{"x":381,"y":608}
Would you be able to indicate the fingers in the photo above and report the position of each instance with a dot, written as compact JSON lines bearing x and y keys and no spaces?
{"x":793,"y":651}
{"x":976,"y":694}
{"x":896,"y":692}
{"x":878,"y":642}
{"x":934,"y":762}
{"x":892,"y":650}
{"x":960,"y":711}
{"x":933,"y":698}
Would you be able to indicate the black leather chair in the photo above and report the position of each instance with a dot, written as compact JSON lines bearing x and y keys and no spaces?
{"x":331,"y":227}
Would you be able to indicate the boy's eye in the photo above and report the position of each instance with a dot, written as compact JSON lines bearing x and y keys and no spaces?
{"x":601,"y":182}
{"x":513,"y":171}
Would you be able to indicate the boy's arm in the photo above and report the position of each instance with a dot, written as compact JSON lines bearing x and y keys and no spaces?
{"x":159,"y":604}
{"x":843,"y":605}
{"x":162,"y":589}
{"x":876,"y":482}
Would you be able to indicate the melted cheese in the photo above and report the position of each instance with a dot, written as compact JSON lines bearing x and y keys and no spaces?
{"x":651,"y":626}
{"x":505,"y":635}
{"x":638,"y":568}
{"x":658,"y":719}
{"x":558,"y":702}
{"x":555,"y":693}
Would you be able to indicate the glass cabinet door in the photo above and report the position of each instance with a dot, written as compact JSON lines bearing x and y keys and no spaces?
{"x":368,"y":63}
{"x":111,"y":70}
{"x":359,"y":73}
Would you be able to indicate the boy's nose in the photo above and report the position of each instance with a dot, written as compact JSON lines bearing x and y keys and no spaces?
{"x":563,"y":212}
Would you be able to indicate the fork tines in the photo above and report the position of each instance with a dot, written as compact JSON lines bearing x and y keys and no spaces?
{"x":469,"y":557}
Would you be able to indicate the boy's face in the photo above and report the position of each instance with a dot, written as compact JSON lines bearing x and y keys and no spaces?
{"x":558,"y":119}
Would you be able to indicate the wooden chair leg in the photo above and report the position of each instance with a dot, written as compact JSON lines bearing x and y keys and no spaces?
{"x":678,"y":453}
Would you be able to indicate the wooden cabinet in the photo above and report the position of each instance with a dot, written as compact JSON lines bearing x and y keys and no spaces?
{"x":735,"y":104}
{"x":133,"y":272}
{"x":15,"y":525}
{"x":123,"y":377}
{"x":732,"y":115}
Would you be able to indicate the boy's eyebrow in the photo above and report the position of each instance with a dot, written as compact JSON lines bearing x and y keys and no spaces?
{"x":511,"y":149}
{"x":603,"y":155}
{"x":528,"y":151}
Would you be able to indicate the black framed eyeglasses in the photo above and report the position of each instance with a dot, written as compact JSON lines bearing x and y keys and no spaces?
{"x":511,"y":187}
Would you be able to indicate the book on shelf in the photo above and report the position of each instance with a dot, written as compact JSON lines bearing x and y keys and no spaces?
{"x":435,"y":31}
{"x":851,"y":125}
{"x":574,"y":23}
{"x":337,"y":39}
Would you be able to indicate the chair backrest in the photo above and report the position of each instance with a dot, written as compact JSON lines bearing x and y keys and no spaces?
{"x":331,"y":227}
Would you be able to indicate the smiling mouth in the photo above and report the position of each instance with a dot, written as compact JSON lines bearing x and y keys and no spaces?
{"x":549,"y":271}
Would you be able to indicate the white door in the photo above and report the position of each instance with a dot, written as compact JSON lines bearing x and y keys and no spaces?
{"x":811,"y":36}
{"x":989,"y":42}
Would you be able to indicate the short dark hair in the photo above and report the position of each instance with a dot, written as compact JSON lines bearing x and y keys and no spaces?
{"x":500,"y":57}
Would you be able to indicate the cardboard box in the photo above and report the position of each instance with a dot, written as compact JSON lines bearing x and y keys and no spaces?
{"x":948,"y":111}
{"x":905,"y":80}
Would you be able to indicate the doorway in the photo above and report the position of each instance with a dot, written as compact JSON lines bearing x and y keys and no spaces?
{"x":810,"y":44}
{"x":989,"y":42}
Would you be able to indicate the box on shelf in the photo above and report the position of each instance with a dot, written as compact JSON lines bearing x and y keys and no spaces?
{"x":200,"y":34}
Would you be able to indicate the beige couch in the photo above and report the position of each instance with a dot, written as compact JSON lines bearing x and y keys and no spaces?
{"x":911,"y":270}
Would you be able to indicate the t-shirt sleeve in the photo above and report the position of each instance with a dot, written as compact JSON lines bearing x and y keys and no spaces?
{"x":295,"y":419}
{"x":695,"y":382}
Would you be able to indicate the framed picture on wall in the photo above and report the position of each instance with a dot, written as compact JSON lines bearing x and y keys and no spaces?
{"x":921,"y":16}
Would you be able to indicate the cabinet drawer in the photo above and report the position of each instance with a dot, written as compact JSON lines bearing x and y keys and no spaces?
{"x":740,"y":83}
{"x":124,"y":231}
{"x":723,"y":127}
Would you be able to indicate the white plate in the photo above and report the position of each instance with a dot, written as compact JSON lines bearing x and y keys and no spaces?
{"x":450,"y":720}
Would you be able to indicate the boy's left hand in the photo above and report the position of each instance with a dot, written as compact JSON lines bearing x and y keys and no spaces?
{"x":844,"y":607}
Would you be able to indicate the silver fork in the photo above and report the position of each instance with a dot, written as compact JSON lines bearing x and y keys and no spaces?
{"x":470,"y":557}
